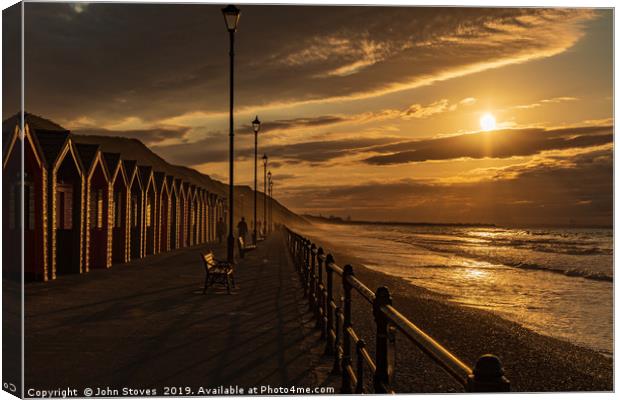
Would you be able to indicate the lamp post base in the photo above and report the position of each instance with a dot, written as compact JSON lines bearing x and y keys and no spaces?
{"x":231,"y":249}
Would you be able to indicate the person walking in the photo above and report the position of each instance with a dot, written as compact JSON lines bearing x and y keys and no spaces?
{"x":242,"y":228}
{"x":220,"y":229}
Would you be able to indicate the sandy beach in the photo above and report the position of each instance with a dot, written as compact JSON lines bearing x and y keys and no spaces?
{"x":532,"y":362}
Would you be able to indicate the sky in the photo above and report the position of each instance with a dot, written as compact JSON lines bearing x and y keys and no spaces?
{"x":369,"y":112}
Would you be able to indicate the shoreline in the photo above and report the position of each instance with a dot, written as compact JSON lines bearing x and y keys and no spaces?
{"x":533,"y":362}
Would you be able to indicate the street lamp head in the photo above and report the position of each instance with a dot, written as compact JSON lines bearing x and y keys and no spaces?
{"x":265,"y":159}
{"x":269,"y":175}
{"x":256,"y":124}
{"x":231,"y":17}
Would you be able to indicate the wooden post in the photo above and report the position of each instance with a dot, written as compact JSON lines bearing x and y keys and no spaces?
{"x":320,"y":294}
{"x":346,"y":324}
{"x":329,"y":347}
{"x":384,"y":342}
{"x":312,"y":280}
{"x":359,"y":346}
{"x":337,"y":353}
{"x":488,"y":376}
{"x":306,"y":263}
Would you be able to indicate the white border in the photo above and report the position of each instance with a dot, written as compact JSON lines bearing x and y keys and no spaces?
{"x":486,"y":3}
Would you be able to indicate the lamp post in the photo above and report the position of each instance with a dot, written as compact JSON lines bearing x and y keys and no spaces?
{"x":269,"y":197}
{"x":231,"y":17}
{"x":265,"y":158}
{"x":270,"y":204}
{"x":256,"y":127}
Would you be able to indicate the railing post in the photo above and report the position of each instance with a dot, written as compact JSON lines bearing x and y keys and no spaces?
{"x":488,"y":376}
{"x":337,"y":354}
{"x":312,"y":280}
{"x":329,"y":347}
{"x":359,"y":346}
{"x":384,"y":342}
{"x":306,"y":264}
{"x":319,"y":309}
{"x":346,"y":324}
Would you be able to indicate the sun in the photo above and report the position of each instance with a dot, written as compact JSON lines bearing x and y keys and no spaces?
{"x":487,"y":122}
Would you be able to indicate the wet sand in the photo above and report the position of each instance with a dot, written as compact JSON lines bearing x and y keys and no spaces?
{"x":532,"y":362}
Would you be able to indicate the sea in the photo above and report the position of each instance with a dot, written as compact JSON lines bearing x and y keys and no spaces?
{"x":557,"y":282}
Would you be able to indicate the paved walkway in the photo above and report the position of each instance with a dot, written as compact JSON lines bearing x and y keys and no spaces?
{"x":146,"y":324}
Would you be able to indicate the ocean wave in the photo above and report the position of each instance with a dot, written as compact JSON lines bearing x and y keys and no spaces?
{"x":597,"y":276}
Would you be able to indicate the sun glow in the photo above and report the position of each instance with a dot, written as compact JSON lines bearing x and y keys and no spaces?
{"x":487,"y":122}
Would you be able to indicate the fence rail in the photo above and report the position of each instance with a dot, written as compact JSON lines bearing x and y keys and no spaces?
{"x":333,"y":318}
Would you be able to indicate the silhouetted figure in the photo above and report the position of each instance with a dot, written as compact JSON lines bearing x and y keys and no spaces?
{"x":220,"y":229}
{"x":242,"y":228}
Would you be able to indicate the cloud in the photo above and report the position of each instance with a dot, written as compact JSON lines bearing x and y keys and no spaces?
{"x":214,"y":149}
{"x":147,"y":136}
{"x":496,"y":144}
{"x":157,"y":61}
{"x":468,"y":101}
{"x":419,"y":111}
{"x":546,"y":101}
{"x":295,"y":123}
{"x":576,"y":190}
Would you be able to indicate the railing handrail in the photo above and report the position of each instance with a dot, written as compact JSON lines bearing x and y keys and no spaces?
{"x":336,"y":327}
{"x":448,"y":361}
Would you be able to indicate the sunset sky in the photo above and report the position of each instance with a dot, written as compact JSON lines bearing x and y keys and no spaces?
{"x":369,"y":112}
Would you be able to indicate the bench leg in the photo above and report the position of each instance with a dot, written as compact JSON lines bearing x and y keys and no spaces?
{"x":232,"y":277}
{"x":228,"y":283}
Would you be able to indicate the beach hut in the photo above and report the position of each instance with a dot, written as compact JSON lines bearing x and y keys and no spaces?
{"x":35,"y":187}
{"x":68,"y":194}
{"x":212,"y":201}
{"x":135,"y":214}
{"x":173,"y":185}
{"x":205,"y":217}
{"x":11,"y":198}
{"x":119,"y":207}
{"x":183,"y":205}
{"x":199,"y":214}
{"x":98,"y":230}
{"x":192,"y":215}
{"x":163,"y":212}
{"x":150,"y":207}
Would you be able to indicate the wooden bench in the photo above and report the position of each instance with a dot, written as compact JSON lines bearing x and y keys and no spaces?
{"x":243,"y":247}
{"x":217,"y":272}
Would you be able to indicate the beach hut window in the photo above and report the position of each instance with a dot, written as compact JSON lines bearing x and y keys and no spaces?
{"x":13,"y":198}
{"x":134,"y":201}
{"x":99,"y":209}
{"x":117,"y":210}
{"x":64,"y":206}
{"x":29,"y":196}
{"x":148,"y":212}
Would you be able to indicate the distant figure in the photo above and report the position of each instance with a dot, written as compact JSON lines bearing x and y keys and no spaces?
{"x":220,"y":229}
{"x":242,"y":228}
{"x":258,"y":228}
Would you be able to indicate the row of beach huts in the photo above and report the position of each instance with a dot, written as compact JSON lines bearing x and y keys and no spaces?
{"x":93,"y":201}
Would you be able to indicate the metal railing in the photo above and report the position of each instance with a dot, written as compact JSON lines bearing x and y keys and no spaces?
{"x":317,"y":271}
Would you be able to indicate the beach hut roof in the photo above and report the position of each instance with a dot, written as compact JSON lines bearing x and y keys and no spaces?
{"x":136,"y":150}
{"x":129,"y":165}
{"x":145,"y":174}
{"x":50,"y":143}
{"x":112,"y":160}
{"x":87,"y":154}
{"x":159,"y":178}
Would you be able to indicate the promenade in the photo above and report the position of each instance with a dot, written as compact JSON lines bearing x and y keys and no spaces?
{"x":146,"y":324}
